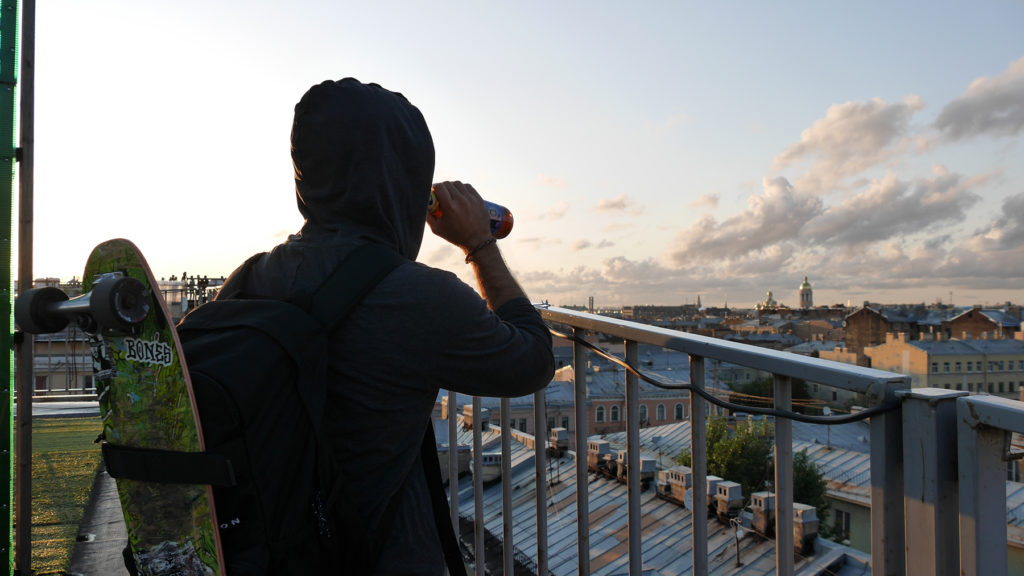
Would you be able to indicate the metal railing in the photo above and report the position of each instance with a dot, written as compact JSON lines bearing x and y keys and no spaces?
{"x":877,"y":387}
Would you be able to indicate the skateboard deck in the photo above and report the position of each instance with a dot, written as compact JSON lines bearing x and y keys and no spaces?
{"x":146,"y":401}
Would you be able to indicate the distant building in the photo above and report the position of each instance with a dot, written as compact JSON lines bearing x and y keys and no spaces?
{"x":806,"y":295}
{"x":983,"y":323}
{"x":978,"y":366}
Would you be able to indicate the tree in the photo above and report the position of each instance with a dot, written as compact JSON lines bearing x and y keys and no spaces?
{"x":744,"y":456}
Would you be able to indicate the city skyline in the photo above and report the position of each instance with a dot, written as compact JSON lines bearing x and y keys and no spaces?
{"x":650,"y":154}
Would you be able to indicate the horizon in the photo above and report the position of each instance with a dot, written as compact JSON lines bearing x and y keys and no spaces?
{"x":650,"y":154}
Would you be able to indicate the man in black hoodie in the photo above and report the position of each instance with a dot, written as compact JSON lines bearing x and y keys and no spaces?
{"x":364,"y":162}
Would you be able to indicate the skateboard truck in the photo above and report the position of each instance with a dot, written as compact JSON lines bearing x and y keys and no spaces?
{"x":117,"y":304}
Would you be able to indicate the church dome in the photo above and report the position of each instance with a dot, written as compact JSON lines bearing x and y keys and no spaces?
{"x":806,"y":285}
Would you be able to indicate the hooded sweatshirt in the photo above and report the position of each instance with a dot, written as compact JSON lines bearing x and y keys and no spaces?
{"x":364,"y":163}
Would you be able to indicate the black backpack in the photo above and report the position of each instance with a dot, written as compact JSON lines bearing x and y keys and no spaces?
{"x":258,"y":370}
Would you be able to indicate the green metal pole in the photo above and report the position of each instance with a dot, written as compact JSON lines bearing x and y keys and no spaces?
{"x":8,"y":110}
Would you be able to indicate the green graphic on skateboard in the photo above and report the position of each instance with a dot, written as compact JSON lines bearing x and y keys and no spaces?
{"x":147,"y":407}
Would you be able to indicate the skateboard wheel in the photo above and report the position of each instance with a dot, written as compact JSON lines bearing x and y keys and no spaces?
{"x":119,"y":303}
{"x":35,"y":310}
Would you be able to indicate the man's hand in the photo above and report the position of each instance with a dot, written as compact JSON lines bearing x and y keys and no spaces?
{"x":464,"y":221}
{"x":462,"y":218}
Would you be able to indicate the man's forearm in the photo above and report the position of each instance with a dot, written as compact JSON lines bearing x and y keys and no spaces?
{"x":497,"y":285}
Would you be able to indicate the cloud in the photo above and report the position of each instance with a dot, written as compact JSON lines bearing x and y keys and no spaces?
{"x":851,"y":138}
{"x":775,"y":216}
{"x":992,"y":106}
{"x":893,"y":208}
{"x":705,"y":201}
{"x":620,"y":203}
{"x":556,"y":212}
{"x":672,"y":122}
{"x":585,"y":244}
{"x":552,"y":182}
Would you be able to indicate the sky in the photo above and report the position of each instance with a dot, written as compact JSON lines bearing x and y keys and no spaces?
{"x":651,"y":152}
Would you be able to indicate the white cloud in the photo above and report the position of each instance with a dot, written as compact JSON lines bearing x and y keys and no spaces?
{"x":580,"y":245}
{"x":705,"y":201}
{"x":555,"y":182}
{"x":851,"y":138}
{"x":621,"y":203}
{"x":556,"y":212}
{"x":893,"y":208}
{"x":989,"y":106}
{"x":775,"y":216}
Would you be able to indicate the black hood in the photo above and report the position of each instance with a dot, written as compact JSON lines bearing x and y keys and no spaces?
{"x":364,"y":163}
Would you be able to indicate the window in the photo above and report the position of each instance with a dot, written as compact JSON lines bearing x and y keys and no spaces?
{"x":842,"y":527}
{"x":947,"y":386}
{"x":600,"y":414}
{"x":643,"y":413}
{"x":1001,"y":387}
{"x":41,"y":383}
{"x":945,"y":367}
{"x":661,"y":411}
{"x":565,"y":422}
{"x":935,"y":367}
{"x":551,"y":422}
{"x":960,"y":386}
{"x":970,"y":366}
{"x":957,"y":368}
{"x":522,"y":424}
{"x":615,"y":413}
{"x":991,"y":387}
{"x":679,"y":411}
{"x":1009,"y":365}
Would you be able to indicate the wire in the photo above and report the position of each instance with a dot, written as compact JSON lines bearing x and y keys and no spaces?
{"x":700,"y":391}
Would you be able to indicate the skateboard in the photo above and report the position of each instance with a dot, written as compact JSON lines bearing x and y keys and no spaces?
{"x":146,"y":402}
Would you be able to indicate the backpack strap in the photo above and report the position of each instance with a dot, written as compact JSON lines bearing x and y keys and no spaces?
{"x":354,"y":278}
{"x":439,"y":502}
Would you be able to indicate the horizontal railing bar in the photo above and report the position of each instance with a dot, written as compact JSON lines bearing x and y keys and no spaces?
{"x":994,"y":412}
{"x":873,"y":383}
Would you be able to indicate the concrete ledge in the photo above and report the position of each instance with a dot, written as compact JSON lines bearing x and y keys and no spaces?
{"x":102,"y":534}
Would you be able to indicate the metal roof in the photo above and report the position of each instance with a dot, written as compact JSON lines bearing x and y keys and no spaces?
{"x":666,"y":532}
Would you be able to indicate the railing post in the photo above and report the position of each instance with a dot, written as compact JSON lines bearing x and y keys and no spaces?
{"x":507,"y":558}
{"x":478,"y":488}
{"x":983,"y":434}
{"x":930,"y":480}
{"x":453,"y":462}
{"x":887,"y":527}
{"x":579,"y":354}
{"x":784,"y":549}
{"x":633,"y":461}
{"x":540,"y":458}
{"x":699,"y":467}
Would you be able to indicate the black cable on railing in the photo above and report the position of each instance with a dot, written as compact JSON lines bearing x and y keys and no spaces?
{"x":827,"y":420}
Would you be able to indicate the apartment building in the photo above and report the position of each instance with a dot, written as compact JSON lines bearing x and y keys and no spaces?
{"x":979,"y":366}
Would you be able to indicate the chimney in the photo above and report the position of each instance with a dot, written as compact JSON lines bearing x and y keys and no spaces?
{"x":805,"y":528}
{"x":559,"y":440}
{"x":467,"y":416}
{"x":673,"y":483}
{"x":596,"y":452}
{"x":729,"y":498}
{"x":763,"y":504}
{"x":712,"y":489}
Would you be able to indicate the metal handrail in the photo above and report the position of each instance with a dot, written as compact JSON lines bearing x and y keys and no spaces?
{"x":878,"y":387}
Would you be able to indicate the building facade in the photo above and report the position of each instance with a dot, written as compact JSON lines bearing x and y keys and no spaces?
{"x":977,"y":366}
